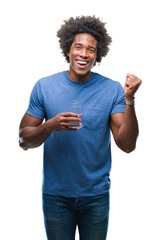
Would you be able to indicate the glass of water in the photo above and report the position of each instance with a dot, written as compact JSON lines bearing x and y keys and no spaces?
{"x":76,"y":107}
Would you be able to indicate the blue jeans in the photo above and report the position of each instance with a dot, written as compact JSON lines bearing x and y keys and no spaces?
{"x":62,"y":215}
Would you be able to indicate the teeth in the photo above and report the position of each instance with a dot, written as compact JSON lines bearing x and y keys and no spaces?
{"x":81,"y":62}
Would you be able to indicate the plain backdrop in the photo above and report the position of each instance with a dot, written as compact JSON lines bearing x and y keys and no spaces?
{"x":29,"y":50}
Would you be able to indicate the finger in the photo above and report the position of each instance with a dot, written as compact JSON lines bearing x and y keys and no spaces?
{"x":70,"y":129}
{"x":130,"y":78}
{"x":133,"y":77}
{"x":139,"y":81}
{"x":70,"y":119}
{"x":69,"y":114}
{"x":134,"y":81}
{"x":127,"y":83}
{"x":73,"y":128}
{"x":68,"y":124}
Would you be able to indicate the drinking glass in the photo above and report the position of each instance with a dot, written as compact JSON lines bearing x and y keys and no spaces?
{"x":76,"y":107}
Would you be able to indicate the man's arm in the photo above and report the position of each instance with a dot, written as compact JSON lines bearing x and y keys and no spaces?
{"x":124,"y":126}
{"x":32,"y":132}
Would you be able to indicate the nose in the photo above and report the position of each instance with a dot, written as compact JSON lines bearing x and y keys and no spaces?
{"x":84,"y":53}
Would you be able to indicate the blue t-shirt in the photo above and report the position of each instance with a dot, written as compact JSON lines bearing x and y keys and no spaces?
{"x":77,"y":164}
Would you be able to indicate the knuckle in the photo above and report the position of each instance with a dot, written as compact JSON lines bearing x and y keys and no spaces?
{"x":140,"y":81}
{"x":60,"y":118}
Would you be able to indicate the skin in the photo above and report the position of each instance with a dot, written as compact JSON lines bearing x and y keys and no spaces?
{"x":124,"y":126}
{"x":84,"y":48}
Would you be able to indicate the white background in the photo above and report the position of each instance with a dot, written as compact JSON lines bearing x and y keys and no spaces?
{"x":29,"y":50}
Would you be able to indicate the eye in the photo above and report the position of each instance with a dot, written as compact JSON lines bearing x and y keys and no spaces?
{"x":92,"y":50}
{"x":77,"y":47}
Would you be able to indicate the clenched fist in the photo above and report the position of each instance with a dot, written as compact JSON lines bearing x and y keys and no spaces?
{"x":131,"y":85}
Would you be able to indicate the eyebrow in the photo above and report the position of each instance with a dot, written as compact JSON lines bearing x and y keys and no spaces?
{"x":80,"y":44}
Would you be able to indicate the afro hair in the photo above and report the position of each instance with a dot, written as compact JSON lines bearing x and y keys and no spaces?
{"x":84,"y":24}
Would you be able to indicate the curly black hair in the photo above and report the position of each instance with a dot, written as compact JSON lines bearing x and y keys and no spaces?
{"x":84,"y":24}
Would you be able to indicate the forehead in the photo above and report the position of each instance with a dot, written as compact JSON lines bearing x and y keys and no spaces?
{"x":85,"y":39}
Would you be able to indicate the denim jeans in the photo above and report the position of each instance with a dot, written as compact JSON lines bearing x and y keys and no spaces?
{"x":62,"y":215}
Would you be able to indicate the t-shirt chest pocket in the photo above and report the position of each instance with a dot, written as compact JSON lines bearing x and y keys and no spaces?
{"x":94,"y":118}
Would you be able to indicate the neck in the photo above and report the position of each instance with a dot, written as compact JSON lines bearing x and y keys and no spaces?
{"x":78,"y":77}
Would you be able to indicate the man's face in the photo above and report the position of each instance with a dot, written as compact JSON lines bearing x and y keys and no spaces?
{"x":82,"y":56}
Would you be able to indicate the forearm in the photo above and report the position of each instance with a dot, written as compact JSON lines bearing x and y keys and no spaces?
{"x":128,"y":131}
{"x":33,"y":136}
{"x":33,"y":133}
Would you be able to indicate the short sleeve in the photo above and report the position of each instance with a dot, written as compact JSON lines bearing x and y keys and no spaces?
{"x":36,"y":106}
{"x":119,"y":102}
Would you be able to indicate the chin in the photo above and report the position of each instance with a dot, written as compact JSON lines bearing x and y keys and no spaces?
{"x":82,"y":73}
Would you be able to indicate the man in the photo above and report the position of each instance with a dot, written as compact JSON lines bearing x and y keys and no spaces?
{"x":77,"y":155}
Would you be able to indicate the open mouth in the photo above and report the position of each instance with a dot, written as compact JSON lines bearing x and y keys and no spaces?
{"x":82,"y":63}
